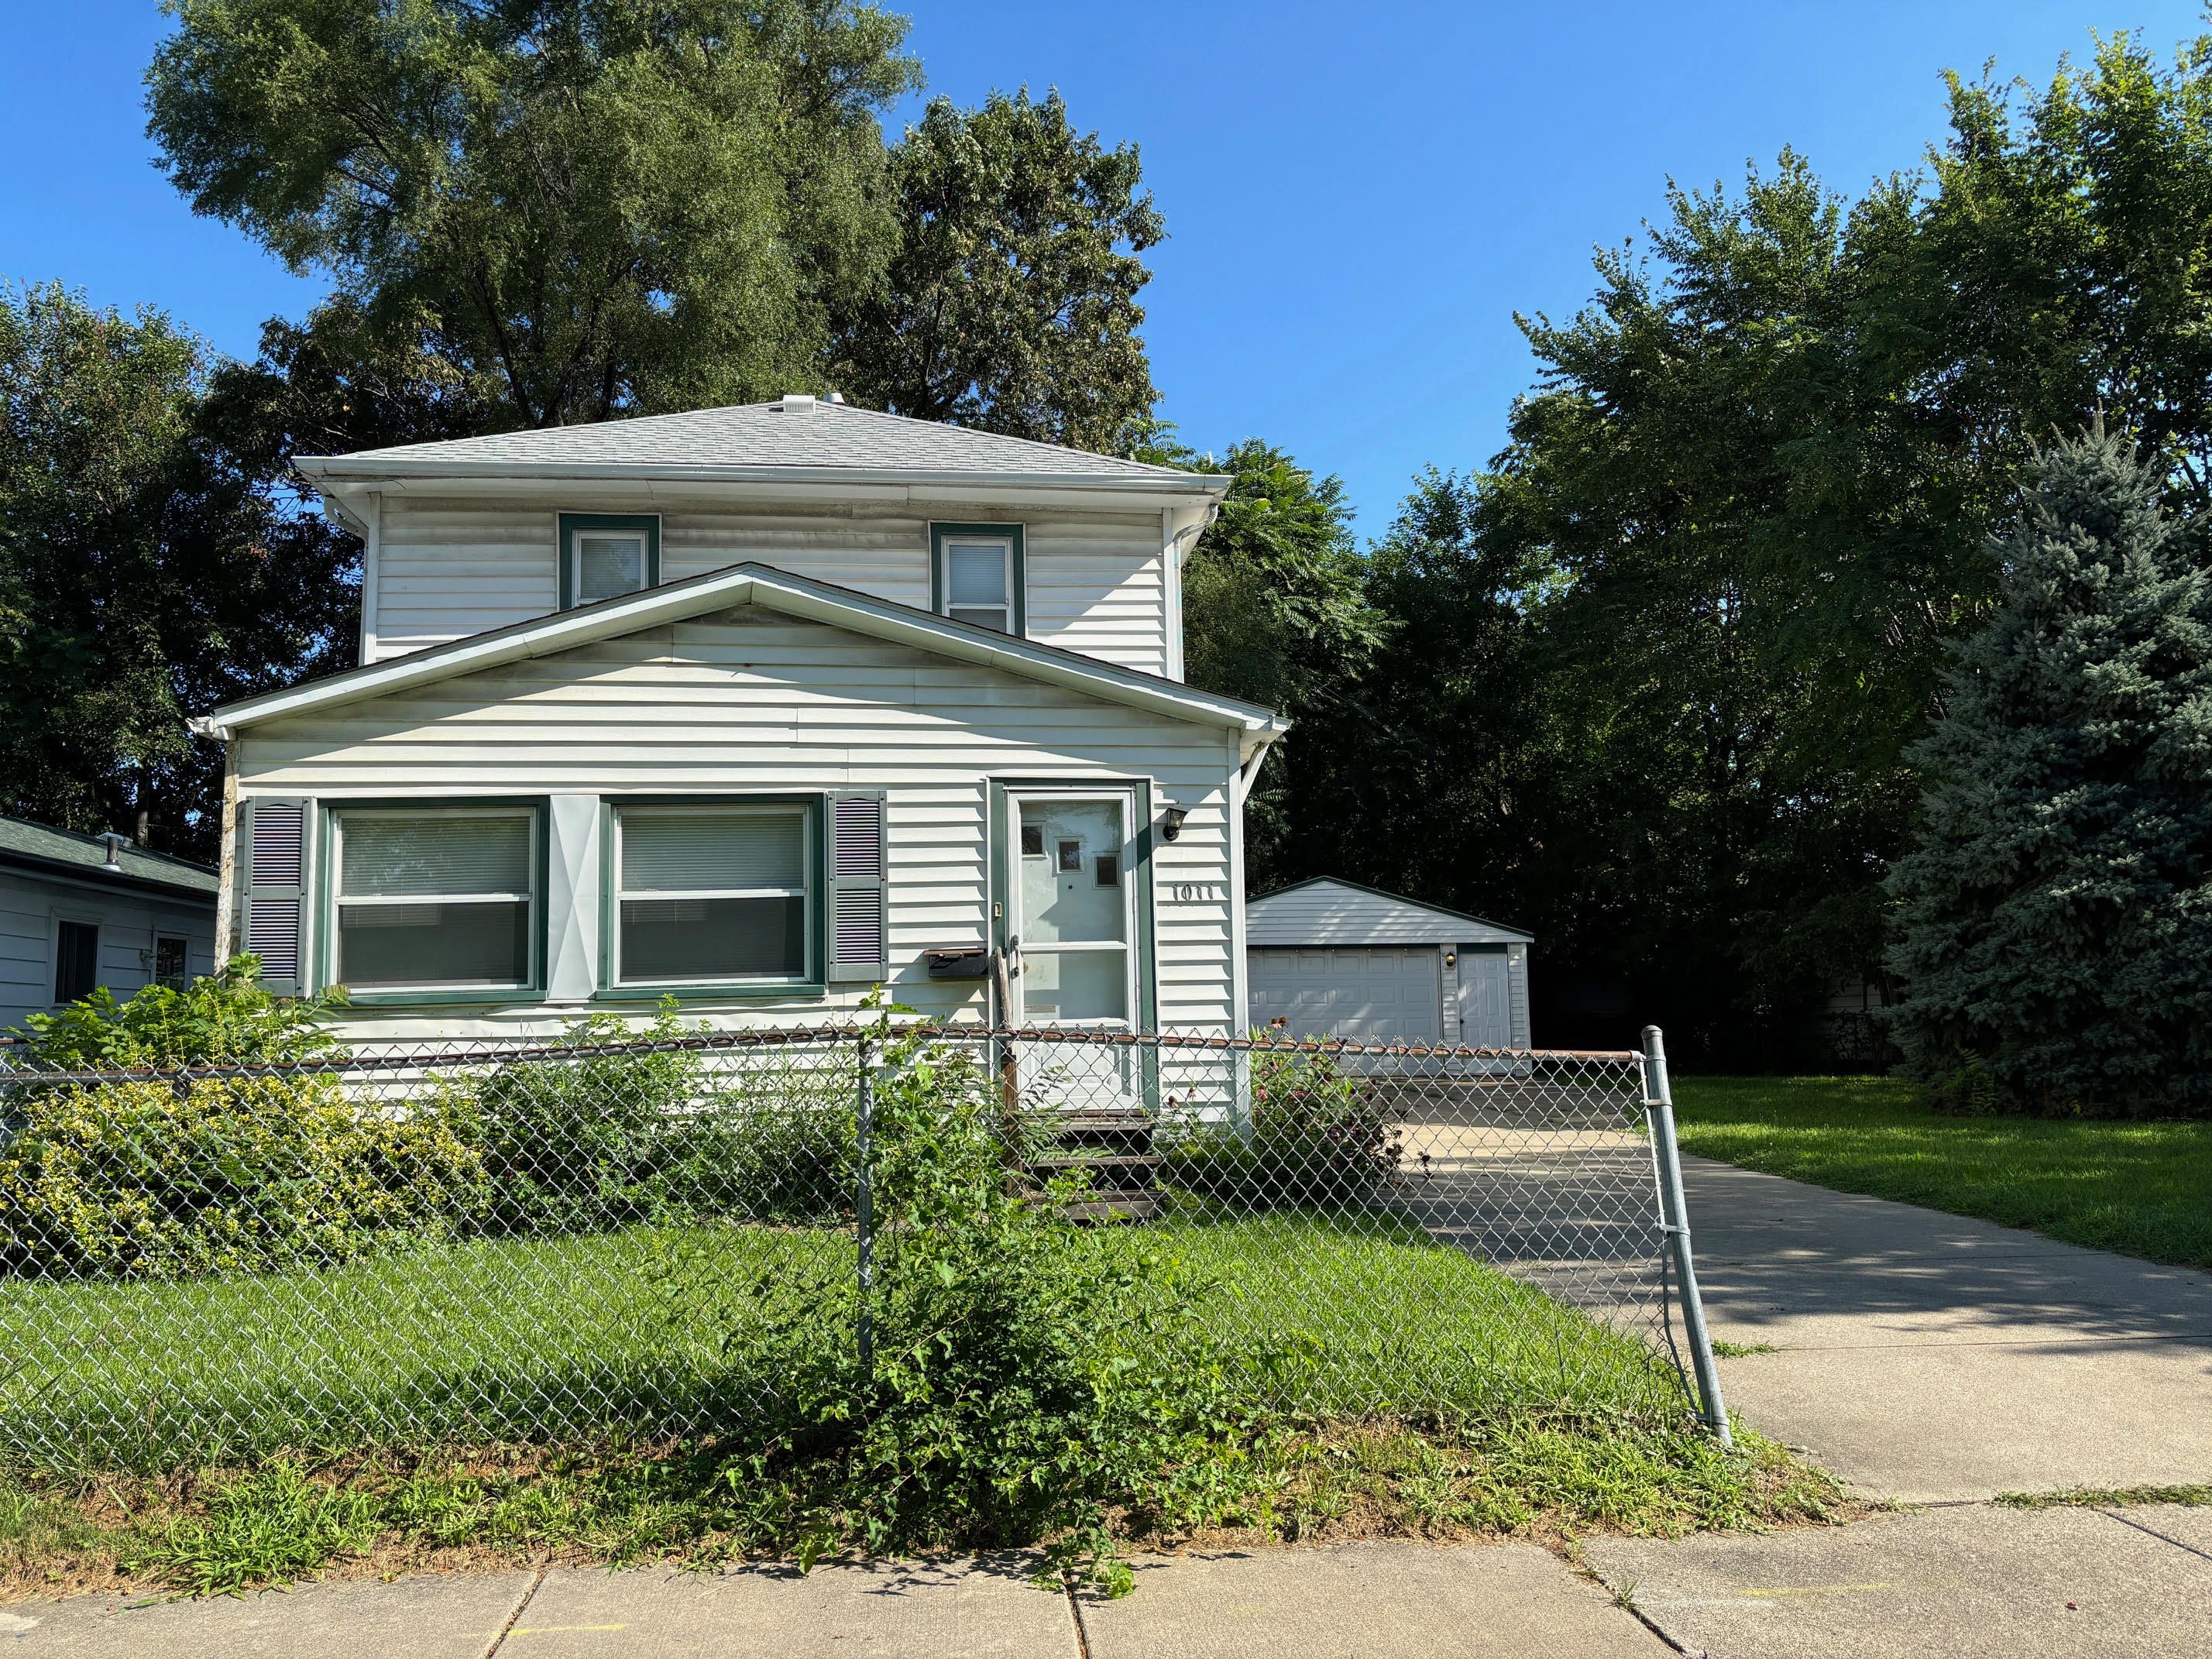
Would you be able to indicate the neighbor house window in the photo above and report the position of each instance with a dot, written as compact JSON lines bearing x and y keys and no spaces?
{"x":977,"y":575}
{"x":169,"y":961}
{"x":604,"y":556}
{"x":713,"y":893}
{"x":76,"y":960}
{"x":436,"y":897}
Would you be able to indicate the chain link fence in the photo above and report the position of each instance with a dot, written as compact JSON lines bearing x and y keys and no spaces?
{"x":556,"y":1242}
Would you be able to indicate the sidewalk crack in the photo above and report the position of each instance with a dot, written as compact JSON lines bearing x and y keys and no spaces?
{"x":2153,"y":1532}
{"x":1075,"y":1612}
{"x":500,"y":1640}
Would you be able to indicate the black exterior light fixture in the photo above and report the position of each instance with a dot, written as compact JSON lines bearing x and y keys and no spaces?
{"x":1171,"y":822}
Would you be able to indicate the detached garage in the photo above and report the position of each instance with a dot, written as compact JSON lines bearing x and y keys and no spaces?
{"x":1330,"y":958}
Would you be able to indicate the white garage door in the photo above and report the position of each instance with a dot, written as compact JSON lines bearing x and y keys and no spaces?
{"x":1392,"y":995}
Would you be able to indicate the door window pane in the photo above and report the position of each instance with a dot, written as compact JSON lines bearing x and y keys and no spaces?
{"x":1071,"y":985}
{"x":608,"y":564}
{"x":169,"y":961}
{"x":435,"y":897}
{"x":712,"y":894}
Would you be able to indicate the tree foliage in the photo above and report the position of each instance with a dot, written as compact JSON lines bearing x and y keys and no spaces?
{"x":1275,"y":610}
{"x":577,"y":209}
{"x":1010,"y":301}
{"x":1652,"y":679}
{"x":147,"y":573}
{"x":2055,"y":932}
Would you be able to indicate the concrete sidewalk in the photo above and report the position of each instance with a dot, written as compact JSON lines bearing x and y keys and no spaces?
{"x":1358,"y":1602}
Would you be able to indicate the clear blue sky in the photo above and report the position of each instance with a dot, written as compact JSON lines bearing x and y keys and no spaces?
{"x":1358,"y":196}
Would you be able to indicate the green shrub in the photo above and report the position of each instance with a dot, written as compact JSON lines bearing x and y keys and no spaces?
{"x":222,"y":1174}
{"x":192,"y":1174}
{"x":224,"y":1018}
{"x":1029,"y":1379}
{"x":582,"y":1142}
{"x":1314,"y":1137}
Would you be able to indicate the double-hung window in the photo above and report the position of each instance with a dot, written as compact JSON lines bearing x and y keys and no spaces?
{"x":436,"y":897}
{"x":977,"y":575}
{"x":714,"y":892}
{"x":604,"y":556}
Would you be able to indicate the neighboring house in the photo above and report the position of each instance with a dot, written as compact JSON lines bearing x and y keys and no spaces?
{"x":77,"y":912}
{"x":756,"y":709}
{"x":1330,"y":958}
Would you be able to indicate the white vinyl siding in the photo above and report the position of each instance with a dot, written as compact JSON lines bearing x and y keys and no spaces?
{"x":1095,"y":580}
{"x":750,"y":701}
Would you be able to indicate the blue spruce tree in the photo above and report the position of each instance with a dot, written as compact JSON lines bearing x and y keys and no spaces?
{"x":2054,"y":925}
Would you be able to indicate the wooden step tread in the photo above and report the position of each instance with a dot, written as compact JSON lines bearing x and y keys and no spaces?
{"x":1098,"y":1161}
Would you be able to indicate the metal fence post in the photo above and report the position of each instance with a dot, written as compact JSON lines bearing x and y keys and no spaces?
{"x":1674,"y":1224}
{"x":864,"y":1217}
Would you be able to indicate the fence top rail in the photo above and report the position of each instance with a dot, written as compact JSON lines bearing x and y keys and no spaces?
{"x":407,"y":1056}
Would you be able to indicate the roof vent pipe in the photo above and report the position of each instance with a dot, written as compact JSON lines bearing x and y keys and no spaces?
{"x":835,"y":397}
{"x":115,"y":843}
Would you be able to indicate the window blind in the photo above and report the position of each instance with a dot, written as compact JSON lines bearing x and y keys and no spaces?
{"x":440,"y":854}
{"x":704,"y":850}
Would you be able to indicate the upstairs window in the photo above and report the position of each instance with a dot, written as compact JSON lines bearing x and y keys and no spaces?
{"x":604,"y":556}
{"x":977,"y":575}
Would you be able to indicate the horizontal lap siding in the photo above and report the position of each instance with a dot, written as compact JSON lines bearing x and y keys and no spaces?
{"x":449,"y":570}
{"x":750,"y":701}
{"x":128,"y":923}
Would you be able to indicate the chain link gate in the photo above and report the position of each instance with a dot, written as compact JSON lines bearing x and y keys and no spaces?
{"x":544,"y":1242}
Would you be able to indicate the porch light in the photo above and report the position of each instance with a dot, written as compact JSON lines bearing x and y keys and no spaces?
{"x":1171,"y":822}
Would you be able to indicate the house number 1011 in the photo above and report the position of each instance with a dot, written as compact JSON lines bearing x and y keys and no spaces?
{"x":1197,"y":892}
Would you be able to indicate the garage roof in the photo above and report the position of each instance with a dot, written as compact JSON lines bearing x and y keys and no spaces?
{"x":1326,"y":911}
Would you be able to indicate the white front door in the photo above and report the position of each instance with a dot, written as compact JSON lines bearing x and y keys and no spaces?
{"x":1074,"y":909}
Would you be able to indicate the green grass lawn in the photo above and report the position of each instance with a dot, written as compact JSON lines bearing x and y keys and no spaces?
{"x":530,"y":1341}
{"x":2144,"y":1190}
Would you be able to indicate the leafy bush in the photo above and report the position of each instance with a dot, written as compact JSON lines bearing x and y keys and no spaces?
{"x":224,"y":1018}
{"x":578,"y":1143}
{"x":1316,"y":1136}
{"x":1028,"y":1380}
{"x":188,"y":1175}
{"x":221,"y":1175}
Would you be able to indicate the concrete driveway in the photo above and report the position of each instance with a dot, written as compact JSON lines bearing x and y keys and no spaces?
{"x":1933,"y":1359}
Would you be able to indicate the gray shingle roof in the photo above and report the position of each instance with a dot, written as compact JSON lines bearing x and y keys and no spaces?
{"x":44,"y":842}
{"x":829,"y":437}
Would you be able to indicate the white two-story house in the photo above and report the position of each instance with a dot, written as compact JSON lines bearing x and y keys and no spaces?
{"x":758,"y":708}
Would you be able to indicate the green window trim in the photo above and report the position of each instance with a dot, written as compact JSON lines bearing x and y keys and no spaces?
{"x":646,"y":523}
{"x":326,"y":876}
{"x":813,"y":985}
{"x":940,"y":533}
